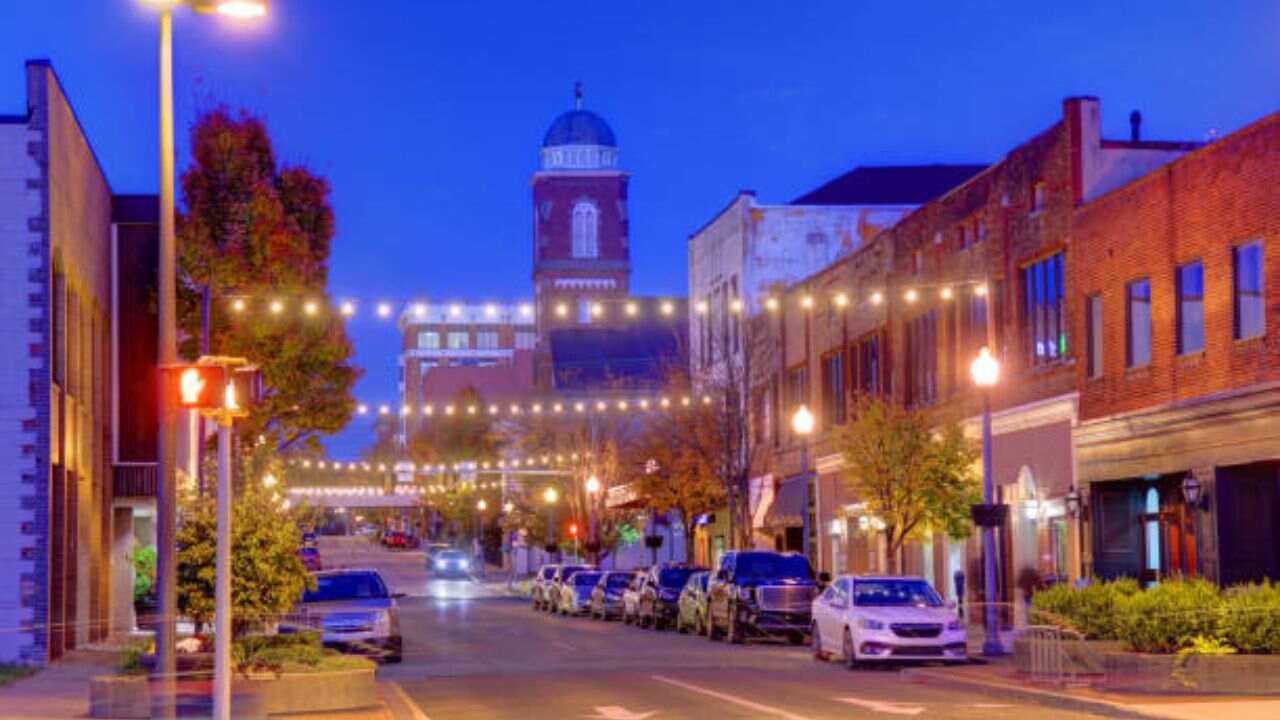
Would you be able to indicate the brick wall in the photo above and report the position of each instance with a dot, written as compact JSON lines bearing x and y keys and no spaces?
{"x":1196,"y":209}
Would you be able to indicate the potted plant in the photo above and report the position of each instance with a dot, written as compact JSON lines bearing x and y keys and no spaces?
{"x":143,"y":559}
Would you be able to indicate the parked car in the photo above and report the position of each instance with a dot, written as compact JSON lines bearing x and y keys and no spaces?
{"x":631,"y":597}
{"x":353,"y":612}
{"x":575,"y":592}
{"x":761,"y":593}
{"x":451,"y":563}
{"x":310,"y":558}
{"x":308,"y":539}
{"x":606,"y":597}
{"x":660,"y":594}
{"x":552,"y":589}
{"x":412,"y":542}
{"x":538,"y":587}
{"x":394,"y":539}
{"x":878,"y":619}
{"x":691,"y":615}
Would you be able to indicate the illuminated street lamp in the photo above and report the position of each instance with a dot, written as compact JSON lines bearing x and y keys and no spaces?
{"x":802,"y":423}
{"x":986,"y":372}
{"x":593,"y":495}
{"x":167,"y":355}
{"x":550,"y":496}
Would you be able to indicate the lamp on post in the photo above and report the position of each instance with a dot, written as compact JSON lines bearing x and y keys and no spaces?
{"x":550,"y":496}
{"x":802,"y":423}
{"x":593,"y":493}
{"x":167,"y":352}
{"x":986,"y":372}
{"x":1073,"y":502}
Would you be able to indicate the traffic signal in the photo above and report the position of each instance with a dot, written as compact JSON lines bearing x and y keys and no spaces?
{"x":198,"y":387}
{"x":573,"y":529}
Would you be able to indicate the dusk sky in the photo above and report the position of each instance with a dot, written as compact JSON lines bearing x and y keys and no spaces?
{"x":427,"y":117}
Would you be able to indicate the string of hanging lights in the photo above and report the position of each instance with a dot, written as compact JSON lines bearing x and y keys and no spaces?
{"x":563,"y":407}
{"x":535,"y":461}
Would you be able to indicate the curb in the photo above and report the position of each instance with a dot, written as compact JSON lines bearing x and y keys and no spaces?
{"x":1047,"y":697}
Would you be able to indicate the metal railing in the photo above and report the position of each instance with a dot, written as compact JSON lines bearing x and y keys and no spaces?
{"x":1049,"y":660}
{"x":134,"y":479}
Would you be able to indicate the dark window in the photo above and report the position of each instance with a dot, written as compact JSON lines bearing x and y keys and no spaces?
{"x":798,"y":387}
{"x":869,"y":365}
{"x":1250,"y":313}
{"x":975,"y":325}
{"x":1037,"y":196}
{"x":922,"y":360}
{"x":1093,"y":333}
{"x":346,"y":586}
{"x":1138,"y":323}
{"x":59,"y":321}
{"x":833,"y":400}
{"x":1190,"y":308}
{"x":775,"y":412}
{"x":1042,"y":289}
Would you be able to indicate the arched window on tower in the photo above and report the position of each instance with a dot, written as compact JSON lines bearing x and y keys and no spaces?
{"x":585,"y":224}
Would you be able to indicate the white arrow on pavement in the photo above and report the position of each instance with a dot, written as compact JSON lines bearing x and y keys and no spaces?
{"x":614,"y":712}
{"x":888,"y":708}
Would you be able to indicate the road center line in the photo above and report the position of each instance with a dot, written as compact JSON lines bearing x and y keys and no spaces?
{"x":408,"y":701}
{"x":742,"y":702}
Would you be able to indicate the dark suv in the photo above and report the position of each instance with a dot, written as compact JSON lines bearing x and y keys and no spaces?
{"x":763,"y":593}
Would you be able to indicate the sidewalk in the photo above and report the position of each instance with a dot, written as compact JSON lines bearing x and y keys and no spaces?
{"x":999,"y":676}
{"x":60,"y":690}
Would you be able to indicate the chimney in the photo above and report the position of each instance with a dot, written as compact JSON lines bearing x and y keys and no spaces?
{"x":1135,"y":126}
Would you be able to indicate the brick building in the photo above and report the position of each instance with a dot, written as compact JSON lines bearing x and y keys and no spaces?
{"x":56,"y":496}
{"x":986,"y":263}
{"x":1176,"y":302}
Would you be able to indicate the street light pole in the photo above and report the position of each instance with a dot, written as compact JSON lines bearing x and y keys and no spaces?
{"x":593,"y":492}
{"x":222,"y":580}
{"x":802,"y":423}
{"x":986,"y":371}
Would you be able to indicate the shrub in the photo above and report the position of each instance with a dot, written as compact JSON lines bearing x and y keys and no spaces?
{"x":1250,"y":618}
{"x":290,"y":652}
{"x":1169,"y":616}
{"x":144,"y":573}
{"x":1090,"y":610}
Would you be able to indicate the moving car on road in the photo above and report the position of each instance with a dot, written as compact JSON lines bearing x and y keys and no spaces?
{"x":538,"y":587}
{"x":551,"y":591}
{"x":606,"y":598}
{"x":882,"y":619}
{"x":660,"y":594}
{"x":575,"y":592}
{"x":353,"y":612}
{"x":691,"y":615}
{"x":451,"y":563}
{"x":761,"y":593}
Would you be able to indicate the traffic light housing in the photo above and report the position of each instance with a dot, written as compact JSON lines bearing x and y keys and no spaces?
{"x":198,"y":387}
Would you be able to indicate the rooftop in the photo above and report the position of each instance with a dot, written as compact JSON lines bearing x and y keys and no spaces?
{"x":890,"y":185}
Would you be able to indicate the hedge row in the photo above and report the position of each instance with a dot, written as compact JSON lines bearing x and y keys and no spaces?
{"x":1173,"y":616}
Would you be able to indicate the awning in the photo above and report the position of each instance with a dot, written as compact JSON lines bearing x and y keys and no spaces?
{"x":789,"y":506}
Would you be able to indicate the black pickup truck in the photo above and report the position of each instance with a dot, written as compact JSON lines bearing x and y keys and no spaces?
{"x":761,"y":593}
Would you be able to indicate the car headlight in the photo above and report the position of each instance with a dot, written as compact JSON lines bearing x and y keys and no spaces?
{"x":746,"y":593}
{"x":869,"y":624}
{"x":440,"y":564}
{"x":955,"y":625}
{"x":463,"y":564}
{"x":382,"y":622}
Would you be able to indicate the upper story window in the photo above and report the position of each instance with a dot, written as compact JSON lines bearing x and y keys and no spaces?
{"x":1249,"y":303}
{"x":917,"y":262}
{"x":922,"y":360}
{"x":487,"y":340}
{"x":1038,"y":192}
{"x":459,"y":340}
{"x":1093,"y":334}
{"x":429,"y":340}
{"x":584,"y":311}
{"x":1043,"y":326}
{"x":869,"y":365}
{"x":1190,"y":308}
{"x":833,"y":399}
{"x":1138,"y":323}
{"x":526,"y":340}
{"x":585,"y":228}
{"x":798,"y":386}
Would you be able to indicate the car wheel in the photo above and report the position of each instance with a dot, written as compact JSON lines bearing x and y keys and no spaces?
{"x":815,"y":642}
{"x":733,"y":633}
{"x":796,"y":638}
{"x":850,"y":652}
{"x":393,"y":659}
{"x":710,"y":626}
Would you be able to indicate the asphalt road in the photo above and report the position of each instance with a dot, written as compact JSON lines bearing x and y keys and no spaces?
{"x":471,"y":653}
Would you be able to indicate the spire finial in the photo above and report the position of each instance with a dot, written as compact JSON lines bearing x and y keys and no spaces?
{"x":577,"y":95}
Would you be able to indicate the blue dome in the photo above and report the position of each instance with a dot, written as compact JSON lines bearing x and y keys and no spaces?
{"x":579,"y":127}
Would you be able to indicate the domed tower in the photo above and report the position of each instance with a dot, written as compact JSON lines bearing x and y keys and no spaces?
{"x":580,"y":253}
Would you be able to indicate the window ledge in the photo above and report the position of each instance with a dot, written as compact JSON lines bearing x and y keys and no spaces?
{"x":1250,"y":344}
{"x":1190,"y":359}
{"x":1142,"y":372}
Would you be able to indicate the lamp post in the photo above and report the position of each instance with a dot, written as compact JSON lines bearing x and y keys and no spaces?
{"x":549,"y":496}
{"x":167,"y":346}
{"x":652,"y":539}
{"x":481,"y":506}
{"x":986,"y":372}
{"x":593,"y":493}
{"x":802,"y":423}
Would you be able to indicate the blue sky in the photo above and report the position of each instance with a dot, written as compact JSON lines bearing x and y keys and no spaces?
{"x":427,"y":116}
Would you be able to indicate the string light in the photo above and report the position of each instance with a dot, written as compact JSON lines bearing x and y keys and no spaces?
{"x":806,"y":301}
{"x":276,"y":307}
{"x":238,"y":304}
{"x":701,"y":307}
{"x":771,"y":303}
{"x":946,"y":292}
{"x":980,"y":290}
{"x":877,"y":297}
{"x":841,"y":300}
{"x":384,"y":310}
{"x":348,"y":309}
{"x":911,"y":295}
{"x":311,"y":307}
{"x":562,"y":310}
{"x":667,"y":307}
{"x":735,"y":305}
{"x":632,"y":309}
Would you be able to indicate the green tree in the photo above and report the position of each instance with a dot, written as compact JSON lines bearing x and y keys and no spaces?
{"x":254,"y":228}
{"x":914,"y":477}
{"x":268,"y":576}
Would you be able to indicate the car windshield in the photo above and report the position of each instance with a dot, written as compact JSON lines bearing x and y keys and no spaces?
{"x":568,"y":570}
{"x":548,"y":572}
{"x":675,"y":577}
{"x":618,"y":580}
{"x":697,"y":581}
{"x":346,"y":586}
{"x":584,"y":579}
{"x":894,"y":593}
{"x":451,"y":555}
{"x":773,"y":566}
{"x":310,"y":551}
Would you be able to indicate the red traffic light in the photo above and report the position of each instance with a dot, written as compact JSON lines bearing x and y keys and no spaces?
{"x":198,"y":387}
{"x":573,"y":529}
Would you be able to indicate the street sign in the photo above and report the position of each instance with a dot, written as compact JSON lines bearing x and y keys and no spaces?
{"x":198,"y":387}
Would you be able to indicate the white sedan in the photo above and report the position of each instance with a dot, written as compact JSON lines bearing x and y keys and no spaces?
{"x":886,"y":619}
